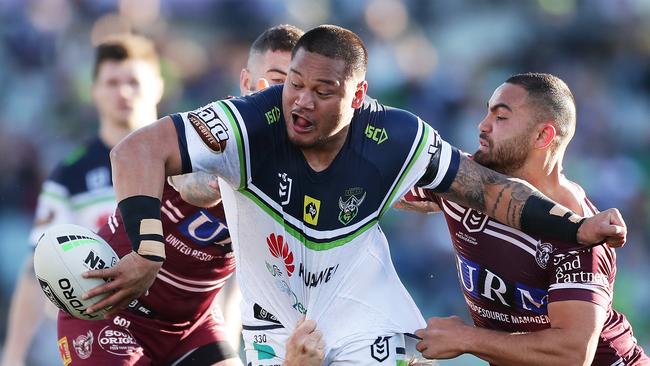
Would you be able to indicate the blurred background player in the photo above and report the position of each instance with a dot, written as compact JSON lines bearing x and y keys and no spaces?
{"x":541,"y":302}
{"x":127,"y":86}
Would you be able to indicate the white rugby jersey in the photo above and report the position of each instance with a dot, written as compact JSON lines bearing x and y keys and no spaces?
{"x":309,"y":242}
{"x":79,"y":191}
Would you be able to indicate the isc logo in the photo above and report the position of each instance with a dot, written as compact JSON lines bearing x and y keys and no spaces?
{"x":377,"y":135}
{"x":204,"y":229}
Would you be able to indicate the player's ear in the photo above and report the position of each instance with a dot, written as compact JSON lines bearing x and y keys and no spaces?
{"x":359,"y":94}
{"x":262,"y":84}
{"x":245,"y":82}
{"x":545,"y":135}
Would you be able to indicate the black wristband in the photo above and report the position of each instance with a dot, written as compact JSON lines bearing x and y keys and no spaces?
{"x":141,"y":216}
{"x":541,"y":216}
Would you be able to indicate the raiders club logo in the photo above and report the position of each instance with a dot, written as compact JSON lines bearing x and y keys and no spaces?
{"x":380,"y":350}
{"x":474,"y":221}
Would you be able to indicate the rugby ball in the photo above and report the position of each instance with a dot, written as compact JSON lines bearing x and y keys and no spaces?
{"x":62,"y":254}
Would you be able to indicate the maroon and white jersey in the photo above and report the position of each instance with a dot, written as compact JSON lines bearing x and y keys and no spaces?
{"x":509,"y":278}
{"x":199,"y":259}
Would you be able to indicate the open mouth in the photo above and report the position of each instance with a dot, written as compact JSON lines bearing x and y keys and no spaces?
{"x":301,"y":124}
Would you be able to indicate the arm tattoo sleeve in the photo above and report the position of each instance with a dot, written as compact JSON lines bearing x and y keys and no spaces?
{"x":497,"y":195}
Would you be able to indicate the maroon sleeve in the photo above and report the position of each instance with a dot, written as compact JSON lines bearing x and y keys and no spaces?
{"x":585,"y":275}
{"x":417,"y":194}
{"x":114,"y":234}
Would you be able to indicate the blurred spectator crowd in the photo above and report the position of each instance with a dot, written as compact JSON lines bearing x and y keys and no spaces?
{"x":440,"y":59}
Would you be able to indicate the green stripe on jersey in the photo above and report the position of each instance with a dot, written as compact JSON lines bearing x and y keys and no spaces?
{"x":299,"y":235}
{"x":56,"y":196}
{"x":424,"y":137}
{"x":240,"y":144}
{"x":75,"y":155}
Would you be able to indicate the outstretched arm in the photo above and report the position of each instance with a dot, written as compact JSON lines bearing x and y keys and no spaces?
{"x":518,"y":204}
{"x":417,"y":200}
{"x":571,"y":340}
{"x":140,"y":164}
{"x":141,"y":161}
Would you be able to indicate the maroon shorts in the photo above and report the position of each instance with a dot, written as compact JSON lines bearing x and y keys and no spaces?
{"x":129,"y":340}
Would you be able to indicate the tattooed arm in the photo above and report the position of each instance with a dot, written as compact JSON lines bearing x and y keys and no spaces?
{"x":199,"y":189}
{"x":485,"y":190}
{"x":518,"y":204}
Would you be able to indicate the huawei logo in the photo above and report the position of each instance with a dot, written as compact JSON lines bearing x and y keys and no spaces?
{"x":279,"y":249}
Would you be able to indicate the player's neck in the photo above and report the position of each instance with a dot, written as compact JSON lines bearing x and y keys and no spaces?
{"x":550,"y":181}
{"x":321,"y":157}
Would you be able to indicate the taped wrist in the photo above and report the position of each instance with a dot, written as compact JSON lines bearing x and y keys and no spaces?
{"x":541,"y":216}
{"x":141,"y":216}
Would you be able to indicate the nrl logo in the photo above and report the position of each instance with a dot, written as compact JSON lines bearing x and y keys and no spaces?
{"x":350,"y":207}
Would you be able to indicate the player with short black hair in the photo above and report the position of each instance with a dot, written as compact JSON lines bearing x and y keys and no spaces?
{"x":533,"y":300}
{"x":336,"y":43}
{"x":314,"y":165}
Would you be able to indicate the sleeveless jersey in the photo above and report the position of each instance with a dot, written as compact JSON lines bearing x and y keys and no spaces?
{"x":199,"y":259}
{"x":309,"y":242}
{"x":509,"y":278}
{"x":79,"y":191}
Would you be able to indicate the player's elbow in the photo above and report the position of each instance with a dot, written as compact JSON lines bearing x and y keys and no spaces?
{"x":137,"y":144}
{"x":119,"y":152}
{"x":578,"y":351}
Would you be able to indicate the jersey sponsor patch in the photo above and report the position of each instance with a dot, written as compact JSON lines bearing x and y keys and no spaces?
{"x":212,"y":131}
{"x":261,"y":314}
{"x":280,"y":249}
{"x":64,"y":351}
{"x":117,"y":341}
{"x":204,"y":229}
{"x":312,"y":210}
{"x":482,"y":284}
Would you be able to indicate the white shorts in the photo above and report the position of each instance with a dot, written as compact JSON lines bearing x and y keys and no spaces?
{"x":266,"y":347}
{"x":264,"y":337}
{"x":265,"y":341}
